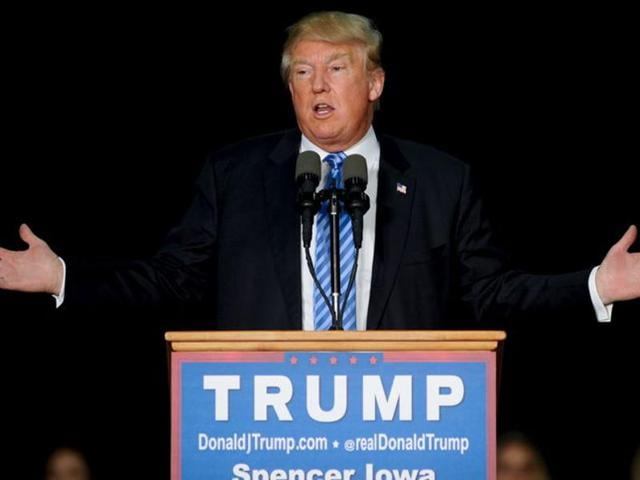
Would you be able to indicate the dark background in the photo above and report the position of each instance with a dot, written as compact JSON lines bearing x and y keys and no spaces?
{"x":109,"y":114}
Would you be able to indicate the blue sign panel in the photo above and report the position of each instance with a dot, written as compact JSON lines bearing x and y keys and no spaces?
{"x":334,"y":416}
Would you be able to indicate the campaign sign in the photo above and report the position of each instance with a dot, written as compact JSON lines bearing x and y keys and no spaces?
{"x":333,"y":415}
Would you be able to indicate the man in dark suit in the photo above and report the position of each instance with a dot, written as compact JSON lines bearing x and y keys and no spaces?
{"x":427,"y":241}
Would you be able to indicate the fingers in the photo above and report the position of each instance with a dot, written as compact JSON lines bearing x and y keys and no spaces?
{"x":627,"y":239}
{"x":27,"y":235}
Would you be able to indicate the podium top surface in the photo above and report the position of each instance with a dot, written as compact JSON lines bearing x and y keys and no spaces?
{"x":298,"y":340}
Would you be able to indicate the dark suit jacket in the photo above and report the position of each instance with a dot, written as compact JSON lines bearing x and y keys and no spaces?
{"x":239,"y":245}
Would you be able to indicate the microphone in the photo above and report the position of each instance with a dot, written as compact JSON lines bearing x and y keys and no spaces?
{"x":356,"y":202}
{"x":307,"y":179}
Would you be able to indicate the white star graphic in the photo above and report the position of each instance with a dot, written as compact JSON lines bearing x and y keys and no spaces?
{"x":336,"y":444}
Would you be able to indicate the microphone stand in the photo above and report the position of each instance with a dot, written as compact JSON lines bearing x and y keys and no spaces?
{"x":333,"y":197}
{"x":334,"y":235}
{"x":360,"y":201}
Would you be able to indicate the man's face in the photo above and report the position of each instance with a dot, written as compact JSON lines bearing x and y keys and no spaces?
{"x":333,"y":93}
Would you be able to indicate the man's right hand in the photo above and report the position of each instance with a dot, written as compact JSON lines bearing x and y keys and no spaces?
{"x":36,"y":269}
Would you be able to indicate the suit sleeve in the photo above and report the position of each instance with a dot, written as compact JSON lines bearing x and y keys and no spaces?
{"x":179,"y":272}
{"x":491,"y":287}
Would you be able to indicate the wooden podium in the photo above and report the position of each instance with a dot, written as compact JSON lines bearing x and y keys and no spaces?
{"x":333,"y":405}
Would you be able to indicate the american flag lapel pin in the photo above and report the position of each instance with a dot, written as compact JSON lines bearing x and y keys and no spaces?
{"x":401,"y":188}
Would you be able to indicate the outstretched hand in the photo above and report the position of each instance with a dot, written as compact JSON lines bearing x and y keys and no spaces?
{"x":618,"y":277}
{"x":36,"y":269}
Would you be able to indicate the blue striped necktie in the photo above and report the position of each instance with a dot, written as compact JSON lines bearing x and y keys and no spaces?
{"x":321,"y":311}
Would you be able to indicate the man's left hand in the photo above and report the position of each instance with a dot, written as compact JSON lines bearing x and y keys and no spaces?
{"x":618,"y":277}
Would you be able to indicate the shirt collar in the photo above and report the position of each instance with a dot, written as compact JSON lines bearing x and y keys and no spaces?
{"x":367,"y":146}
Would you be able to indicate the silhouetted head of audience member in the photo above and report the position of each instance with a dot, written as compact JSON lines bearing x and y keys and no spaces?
{"x":519,"y":459}
{"x":67,"y":463}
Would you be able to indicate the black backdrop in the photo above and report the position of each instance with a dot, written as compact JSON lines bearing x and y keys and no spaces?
{"x":110,"y":112}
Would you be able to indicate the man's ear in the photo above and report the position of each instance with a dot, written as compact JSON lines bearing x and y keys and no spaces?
{"x":290,"y":87}
{"x":376,"y":84}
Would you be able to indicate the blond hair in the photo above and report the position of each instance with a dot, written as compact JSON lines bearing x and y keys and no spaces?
{"x":333,"y":27}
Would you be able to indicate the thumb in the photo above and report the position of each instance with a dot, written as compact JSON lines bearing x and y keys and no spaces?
{"x":627,"y":239}
{"x":27,"y":235}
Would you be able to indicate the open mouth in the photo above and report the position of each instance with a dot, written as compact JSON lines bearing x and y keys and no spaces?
{"x":322,"y":109}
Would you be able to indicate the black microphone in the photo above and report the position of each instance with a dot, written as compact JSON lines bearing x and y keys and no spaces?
{"x":307,"y":179}
{"x":356,"y":202}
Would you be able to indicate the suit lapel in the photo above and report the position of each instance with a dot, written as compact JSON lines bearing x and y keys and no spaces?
{"x":396,"y":189}
{"x":284,"y":224}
